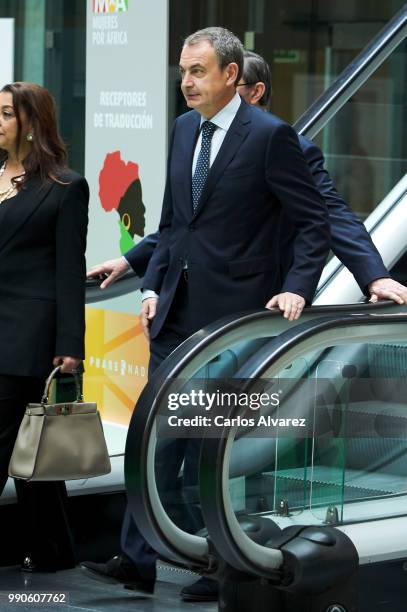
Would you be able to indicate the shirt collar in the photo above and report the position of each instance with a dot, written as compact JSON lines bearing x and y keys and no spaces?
{"x":225,"y":116}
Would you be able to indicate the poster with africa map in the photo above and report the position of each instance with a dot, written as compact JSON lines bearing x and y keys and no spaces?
{"x":125,"y":163}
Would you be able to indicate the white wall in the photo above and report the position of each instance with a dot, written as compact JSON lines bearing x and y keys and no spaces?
{"x":7,"y":51}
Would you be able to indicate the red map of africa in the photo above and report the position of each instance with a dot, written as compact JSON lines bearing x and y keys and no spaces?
{"x":114,"y":179}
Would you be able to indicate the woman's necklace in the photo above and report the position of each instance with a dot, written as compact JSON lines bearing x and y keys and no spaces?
{"x":4,"y":195}
{"x":4,"y":166}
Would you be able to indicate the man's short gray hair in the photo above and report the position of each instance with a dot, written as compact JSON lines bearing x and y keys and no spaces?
{"x":227,"y":46}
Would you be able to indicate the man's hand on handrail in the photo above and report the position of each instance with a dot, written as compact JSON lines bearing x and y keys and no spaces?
{"x":387,"y":289}
{"x":290,"y":304}
{"x":109,"y":270}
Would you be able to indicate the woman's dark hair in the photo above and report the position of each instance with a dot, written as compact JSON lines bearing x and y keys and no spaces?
{"x":256,"y":69}
{"x":48,"y":153}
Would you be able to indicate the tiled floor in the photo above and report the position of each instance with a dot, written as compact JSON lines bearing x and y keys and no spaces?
{"x":91,"y":596}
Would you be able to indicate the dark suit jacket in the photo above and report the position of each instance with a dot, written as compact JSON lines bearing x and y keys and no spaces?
{"x":42,"y":275}
{"x":350,"y":241}
{"x":139,"y":255}
{"x":231,"y":242}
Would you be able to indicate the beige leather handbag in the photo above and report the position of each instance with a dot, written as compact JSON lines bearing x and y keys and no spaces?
{"x":60,"y":441}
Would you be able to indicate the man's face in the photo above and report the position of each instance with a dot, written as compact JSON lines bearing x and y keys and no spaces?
{"x":205,"y":86}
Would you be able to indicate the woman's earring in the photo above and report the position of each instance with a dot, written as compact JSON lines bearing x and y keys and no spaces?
{"x":30,"y":136}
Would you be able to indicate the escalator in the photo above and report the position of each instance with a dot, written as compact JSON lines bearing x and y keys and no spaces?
{"x":247,"y":479}
{"x":349,"y":476}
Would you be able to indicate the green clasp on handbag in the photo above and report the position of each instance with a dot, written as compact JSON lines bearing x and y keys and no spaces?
{"x":62,"y":441}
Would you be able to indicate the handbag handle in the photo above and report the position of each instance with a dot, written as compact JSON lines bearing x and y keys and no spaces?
{"x":78,"y":385}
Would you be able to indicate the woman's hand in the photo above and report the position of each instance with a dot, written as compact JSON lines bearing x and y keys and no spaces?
{"x":68,"y":364}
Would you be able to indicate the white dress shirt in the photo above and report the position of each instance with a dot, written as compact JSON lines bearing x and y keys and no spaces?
{"x":222,"y":120}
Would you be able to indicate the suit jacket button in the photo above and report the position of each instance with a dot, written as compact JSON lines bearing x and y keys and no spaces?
{"x":192,"y":228}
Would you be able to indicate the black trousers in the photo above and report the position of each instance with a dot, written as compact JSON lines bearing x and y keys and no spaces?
{"x":44,"y":534}
{"x":15,"y":393}
{"x":170,"y":453}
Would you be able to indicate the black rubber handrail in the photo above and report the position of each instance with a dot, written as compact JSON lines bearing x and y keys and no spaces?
{"x":127,"y":283}
{"x":216,"y":507}
{"x":141,"y":426}
{"x":354,"y":75}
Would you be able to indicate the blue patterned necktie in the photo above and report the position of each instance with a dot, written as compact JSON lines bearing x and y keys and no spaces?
{"x":202,"y":164}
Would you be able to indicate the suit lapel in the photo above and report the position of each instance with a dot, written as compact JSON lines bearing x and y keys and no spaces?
{"x":235,"y":135}
{"x":26,"y":203}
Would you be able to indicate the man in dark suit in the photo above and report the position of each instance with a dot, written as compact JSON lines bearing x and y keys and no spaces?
{"x":350,"y":241}
{"x":232,"y":170}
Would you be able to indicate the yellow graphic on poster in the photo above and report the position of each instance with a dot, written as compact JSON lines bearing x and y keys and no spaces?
{"x":116,"y":363}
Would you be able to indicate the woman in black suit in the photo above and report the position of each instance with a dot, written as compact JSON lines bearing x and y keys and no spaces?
{"x":43,"y":224}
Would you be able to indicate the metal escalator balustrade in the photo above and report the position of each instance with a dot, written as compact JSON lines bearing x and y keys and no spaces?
{"x":367,"y":353}
{"x":215,"y":352}
{"x":354,"y":76}
{"x":389,"y":218}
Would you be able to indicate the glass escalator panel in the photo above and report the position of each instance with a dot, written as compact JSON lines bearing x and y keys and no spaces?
{"x":350,"y":465}
{"x":368,"y":456}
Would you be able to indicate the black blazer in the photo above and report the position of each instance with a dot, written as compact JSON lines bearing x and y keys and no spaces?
{"x":231,"y":240}
{"x":42,"y":275}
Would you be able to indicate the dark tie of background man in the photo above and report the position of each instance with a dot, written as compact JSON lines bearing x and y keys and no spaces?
{"x":202,"y":164}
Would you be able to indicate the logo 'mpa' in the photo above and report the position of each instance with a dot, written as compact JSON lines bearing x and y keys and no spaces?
{"x":110,"y":6}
